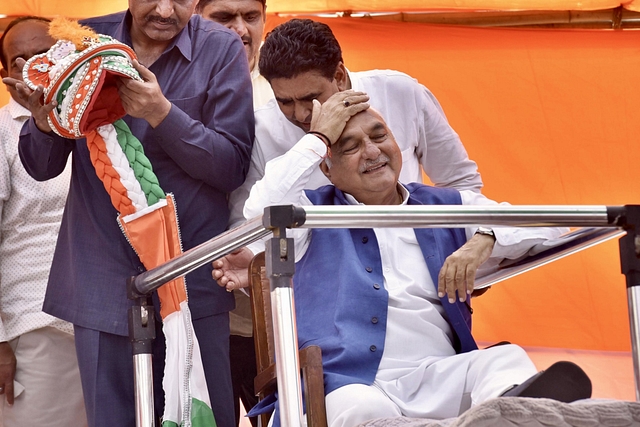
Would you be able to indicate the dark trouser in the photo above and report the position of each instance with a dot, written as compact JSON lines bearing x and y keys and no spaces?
{"x":106,"y":371}
{"x":213,"y":337}
{"x":243,"y":372}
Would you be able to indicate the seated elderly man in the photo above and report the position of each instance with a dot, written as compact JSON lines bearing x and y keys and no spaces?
{"x":382,"y":303}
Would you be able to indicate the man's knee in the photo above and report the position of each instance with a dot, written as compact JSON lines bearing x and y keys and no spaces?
{"x":353,"y":404}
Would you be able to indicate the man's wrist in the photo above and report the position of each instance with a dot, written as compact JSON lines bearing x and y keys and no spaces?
{"x":322,"y":137}
{"x":485,"y":231}
{"x":158,"y":117}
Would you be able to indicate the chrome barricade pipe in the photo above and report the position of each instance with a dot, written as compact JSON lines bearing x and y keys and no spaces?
{"x":288,"y":362}
{"x":280,"y":266}
{"x":633,"y":299}
{"x":445,"y":216}
{"x":143,"y":385}
{"x":142,"y":332}
{"x":366,"y":217}
{"x":630,"y":265}
{"x":415,"y":216}
{"x":208,"y":251}
{"x":563,"y":246}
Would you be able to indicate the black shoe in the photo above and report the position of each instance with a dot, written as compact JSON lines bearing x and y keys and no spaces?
{"x":563,"y":381}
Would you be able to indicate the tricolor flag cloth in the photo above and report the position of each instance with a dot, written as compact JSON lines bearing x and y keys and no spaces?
{"x":80,"y":72}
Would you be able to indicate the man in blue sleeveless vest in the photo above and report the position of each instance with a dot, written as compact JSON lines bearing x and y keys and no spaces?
{"x":390,"y":307}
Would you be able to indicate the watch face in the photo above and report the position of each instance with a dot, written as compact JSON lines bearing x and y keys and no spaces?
{"x":485,"y":230}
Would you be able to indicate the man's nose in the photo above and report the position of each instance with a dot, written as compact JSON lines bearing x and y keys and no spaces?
{"x":238,"y":25}
{"x":302,"y":113}
{"x":371,"y":151}
{"x":164,"y":8}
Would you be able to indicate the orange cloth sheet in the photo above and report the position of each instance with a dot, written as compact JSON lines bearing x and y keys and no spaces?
{"x":315,"y":6}
{"x":551,"y":117}
{"x":85,"y":8}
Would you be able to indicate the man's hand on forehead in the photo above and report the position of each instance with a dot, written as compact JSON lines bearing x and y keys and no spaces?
{"x":330,"y":118}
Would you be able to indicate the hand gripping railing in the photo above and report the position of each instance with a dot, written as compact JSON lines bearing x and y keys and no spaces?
{"x":605,"y":223}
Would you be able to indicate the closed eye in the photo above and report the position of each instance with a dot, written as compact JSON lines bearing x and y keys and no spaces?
{"x":252,"y":17}
{"x":350,"y":149}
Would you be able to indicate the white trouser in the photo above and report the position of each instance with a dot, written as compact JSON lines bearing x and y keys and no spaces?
{"x":47,"y":382}
{"x":449,"y":387}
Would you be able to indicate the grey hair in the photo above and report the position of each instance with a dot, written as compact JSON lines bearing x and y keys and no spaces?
{"x":327,"y":161}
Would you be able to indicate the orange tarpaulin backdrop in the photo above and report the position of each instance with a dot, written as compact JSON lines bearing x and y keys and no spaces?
{"x":297,"y":6}
{"x":84,"y":8}
{"x":551,"y":117}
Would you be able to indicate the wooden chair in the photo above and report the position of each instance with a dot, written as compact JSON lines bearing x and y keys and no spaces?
{"x":310,"y":357}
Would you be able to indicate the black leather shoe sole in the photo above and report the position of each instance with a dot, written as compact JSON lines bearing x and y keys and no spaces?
{"x":563,"y":381}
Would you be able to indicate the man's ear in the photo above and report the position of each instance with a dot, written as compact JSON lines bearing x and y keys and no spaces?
{"x":325,"y":169}
{"x":341,"y":77}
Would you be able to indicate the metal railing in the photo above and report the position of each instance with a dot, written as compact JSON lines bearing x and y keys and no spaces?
{"x":603,"y":222}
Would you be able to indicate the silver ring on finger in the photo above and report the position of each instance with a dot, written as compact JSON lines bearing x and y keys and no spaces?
{"x":346,"y":103}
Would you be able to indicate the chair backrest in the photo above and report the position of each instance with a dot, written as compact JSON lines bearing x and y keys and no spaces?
{"x":310,"y":357}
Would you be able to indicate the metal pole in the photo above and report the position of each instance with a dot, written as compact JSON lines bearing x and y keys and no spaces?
{"x":142,"y":332}
{"x":633,"y":299}
{"x":143,"y":383}
{"x":445,"y":216}
{"x":380,"y":216}
{"x":569,"y":244}
{"x":630,"y":263}
{"x":288,"y":363}
{"x":359,"y":217}
{"x":280,"y":264}
{"x":215,"y":248}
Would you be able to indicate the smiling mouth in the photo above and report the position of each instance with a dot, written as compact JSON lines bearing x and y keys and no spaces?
{"x":375,"y":168}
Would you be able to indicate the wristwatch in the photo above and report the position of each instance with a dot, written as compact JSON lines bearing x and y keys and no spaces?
{"x":486,"y":231}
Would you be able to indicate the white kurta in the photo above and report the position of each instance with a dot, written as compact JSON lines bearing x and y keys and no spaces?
{"x":287,"y":176}
{"x":414,"y":116}
{"x":262,"y":92}
{"x":43,"y":345}
{"x":30,"y":213}
{"x":419,"y":374}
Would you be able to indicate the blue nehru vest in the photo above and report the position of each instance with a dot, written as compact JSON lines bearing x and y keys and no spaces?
{"x":341,"y":273}
{"x":340,"y":300}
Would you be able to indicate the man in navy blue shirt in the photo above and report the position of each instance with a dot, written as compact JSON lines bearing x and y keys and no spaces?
{"x":193,"y":114}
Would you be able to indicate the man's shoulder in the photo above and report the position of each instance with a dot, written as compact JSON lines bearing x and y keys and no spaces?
{"x":105,"y":23}
{"x":324,"y":195}
{"x":387,"y":77}
{"x":12,"y":117}
{"x":5,"y":110}
{"x":271,"y":121}
{"x":433,"y":195}
{"x":388,"y":86}
{"x":205,"y":29}
{"x":268,"y":111}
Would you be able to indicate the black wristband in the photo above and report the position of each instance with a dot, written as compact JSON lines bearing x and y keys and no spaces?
{"x":322,"y":136}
